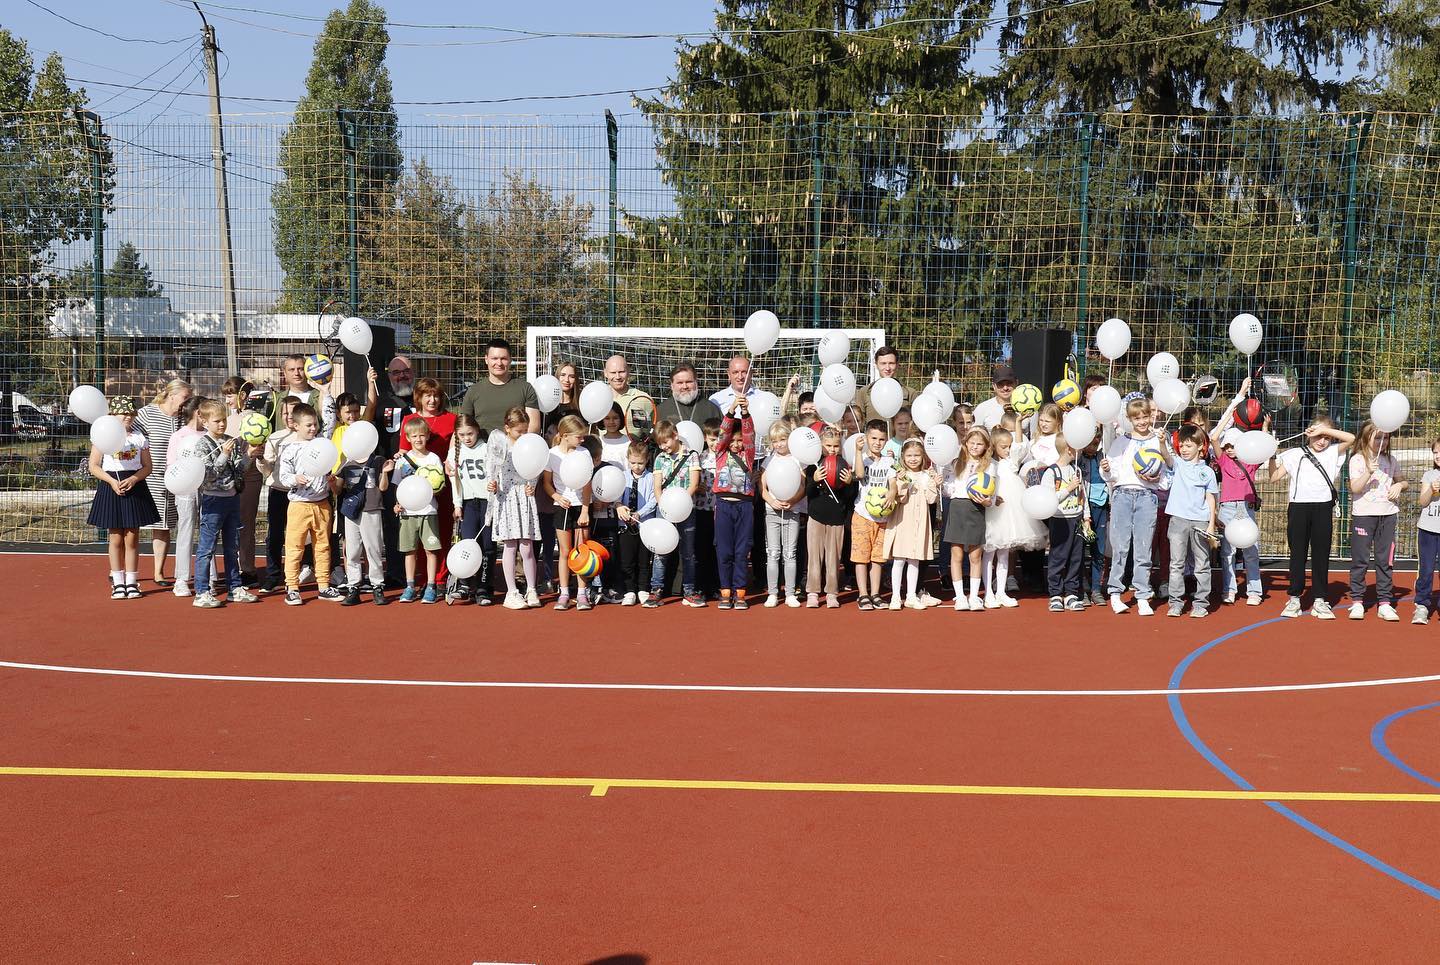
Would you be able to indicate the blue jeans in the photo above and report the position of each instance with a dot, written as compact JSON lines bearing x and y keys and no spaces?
{"x":1429,"y":557}
{"x":1238,"y":509}
{"x":1100,"y":523}
{"x":219,"y":518}
{"x":662,"y":570}
{"x":1132,"y":530}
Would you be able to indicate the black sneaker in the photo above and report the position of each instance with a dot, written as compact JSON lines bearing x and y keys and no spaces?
{"x":352,"y":598}
{"x":329,"y":595}
{"x":652,"y":604}
{"x":380,"y":596}
{"x":292,"y":598}
{"x":269,"y":585}
{"x":483,"y":599}
{"x":741,"y":603}
{"x":725,"y":603}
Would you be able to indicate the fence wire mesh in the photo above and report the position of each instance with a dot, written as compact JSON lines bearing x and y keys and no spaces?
{"x":948,"y":236}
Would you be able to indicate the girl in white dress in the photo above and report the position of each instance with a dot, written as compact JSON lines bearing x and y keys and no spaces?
{"x":1007,"y":526}
{"x":517,"y":521}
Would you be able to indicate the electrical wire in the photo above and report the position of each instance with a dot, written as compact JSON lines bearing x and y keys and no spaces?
{"x":122,"y":92}
{"x":104,"y":33}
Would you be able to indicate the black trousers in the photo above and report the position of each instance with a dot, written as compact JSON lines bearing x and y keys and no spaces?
{"x":1309,"y":530}
{"x":277,"y":507}
{"x":632,"y":561}
{"x":1062,"y":567}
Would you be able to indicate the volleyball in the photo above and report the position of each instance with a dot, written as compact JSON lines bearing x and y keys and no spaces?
{"x":1027,"y":399}
{"x":433,"y":475}
{"x":1147,"y":460}
{"x":318,"y":369}
{"x":876,"y":502}
{"x":1066,"y":394}
{"x":254,"y":428}
{"x":982,"y":486}
{"x":584,"y":562}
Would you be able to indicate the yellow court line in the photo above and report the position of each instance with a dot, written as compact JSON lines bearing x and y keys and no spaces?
{"x":599,"y":786}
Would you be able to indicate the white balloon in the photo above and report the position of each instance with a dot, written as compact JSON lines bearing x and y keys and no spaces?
{"x":944,"y":393}
{"x":838,"y":383}
{"x":762,"y":329}
{"x":659,"y":536}
{"x":1079,"y":427}
{"x":1113,"y":338}
{"x":464,"y":559}
{"x":595,"y":401}
{"x":107,"y":434}
{"x":547,"y":392}
{"x":1162,"y":366}
{"x":1241,"y":533}
{"x":359,"y":441}
{"x":1172,"y":395}
{"x":414,"y":494}
{"x":805,"y":445}
{"x":1255,"y":447}
{"x":184,"y":476}
{"x":927,"y":411}
{"x":318,"y":458}
{"x":886,"y":397}
{"x":1246,"y":333}
{"x":356,"y":336}
{"x":1389,"y":410}
{"x":833,"y":349}
{"x":530,"y":456}
{"x":827,"y":408}
{"x":942,"y":444}
{"x":855,"y":443}
{"x":691,"y":434}
{"x":87,"y":403}
{"x":676,"y":505}
{"x":783,"y":477}
{"x":1040,"y":502}
{"x":1105,"y":403}
{"x":608,"y":483}
{"x":576,"y":469}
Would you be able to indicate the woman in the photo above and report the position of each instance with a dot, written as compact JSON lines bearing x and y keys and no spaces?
{"x":569,"y":378}
{"x":157,"y":420}
{"x":430,"y":404}
{"x":235,"y":391}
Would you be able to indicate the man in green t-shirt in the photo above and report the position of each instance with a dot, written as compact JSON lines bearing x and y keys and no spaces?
{"x":488,"y":400}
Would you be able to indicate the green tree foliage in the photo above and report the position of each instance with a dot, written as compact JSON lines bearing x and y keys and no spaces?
{"x":127,"y":277}
{"x":348,"y":72}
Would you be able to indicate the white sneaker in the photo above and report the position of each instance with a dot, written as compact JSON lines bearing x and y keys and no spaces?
{"x":1008,"y":601}
{"x":1292,"y":608}
{"x":643,"y":595}
{"x":1143,"y":608}
{"x":895,"y":602}
{"x":961,"y":603}
{"x":793,"y":601}
{"x":1230,"y":595}
{"x":976,"y":604}
{"x":992,"y":601}
{"x":206,"y":601}
{"x":628,"y":599}
{"x":182,"y":588}
{"x":928,"y":600}
{"x":1117,"y":604}
{"x":1357,"y":611}
{"x":514,"y":601}
{"x":532,"y":599}
{"x":1253,"y":599}
{"x":306,"y":574}
{"x":914,"y":603}
{"x":1421,"y":617}
{"x":1387,"y":613}
{"x":772,"y":601}
{"x":1320,"y":610}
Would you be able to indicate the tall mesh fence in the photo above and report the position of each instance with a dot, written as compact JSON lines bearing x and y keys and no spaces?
{"x":949,"y":236}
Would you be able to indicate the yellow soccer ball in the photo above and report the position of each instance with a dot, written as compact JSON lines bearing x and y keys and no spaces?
{"x":1027,"y":399}
{"x":876,"y":502}
{"x":254,"y":428}
{"x":434,"y":475}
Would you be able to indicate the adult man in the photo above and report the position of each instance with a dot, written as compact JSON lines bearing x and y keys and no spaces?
{"x":887,"y":360}
{"x":488,"y":399}
{"x":637,"y":405}
{"x":739,"y":375}
{"x":394,"y":402}
{"x":989,"y":413}
{"x":294,"y":384}
{"x":685,"y":402}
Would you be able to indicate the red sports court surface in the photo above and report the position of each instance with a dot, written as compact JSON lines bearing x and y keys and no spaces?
{"x":457,"y":784}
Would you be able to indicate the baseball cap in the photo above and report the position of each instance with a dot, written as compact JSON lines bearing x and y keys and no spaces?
{"x":1002,"y":373}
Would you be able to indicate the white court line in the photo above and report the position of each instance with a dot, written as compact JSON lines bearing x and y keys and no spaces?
{"x":720,"y":688}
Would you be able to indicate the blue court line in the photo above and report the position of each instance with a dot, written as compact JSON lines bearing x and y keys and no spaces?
{"x":1188,"y":732}
{"x":1377,"y":740}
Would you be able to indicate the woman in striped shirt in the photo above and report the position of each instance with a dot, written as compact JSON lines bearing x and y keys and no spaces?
{"x":157,"y":420}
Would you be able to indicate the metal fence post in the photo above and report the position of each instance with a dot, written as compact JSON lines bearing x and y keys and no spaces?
{"x":352,"y":232}
{"x":94,"y":135}
{"x":1353,"y":145}
{"x":612,"y":140}
{"x":1082,"y":293}
{"x":817,"y":178}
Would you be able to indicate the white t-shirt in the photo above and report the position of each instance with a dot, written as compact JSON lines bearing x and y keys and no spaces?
{"x":1429,"y":519}
{"x":1375,"y":500}
{"x":1307,"y":485}
{"x":989,"y":413}
{"x":561,"y":490}
{"x":616,"y":451}
{"x":472,"y":471}
{"x":877,"y":471}
{"x":1122,"y":461}
{"x":404,"y":468}
{"x":127,"y":458}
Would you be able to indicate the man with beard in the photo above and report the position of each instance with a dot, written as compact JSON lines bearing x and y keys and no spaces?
{"x":637,"y":405}
{"x":685,"y":402}
{"x":887,"y":360}
{"x":390,"y":411}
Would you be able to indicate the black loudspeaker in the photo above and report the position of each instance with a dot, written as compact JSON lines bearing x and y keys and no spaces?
{"x":1038,"y":356}
{"x":382,"y":350}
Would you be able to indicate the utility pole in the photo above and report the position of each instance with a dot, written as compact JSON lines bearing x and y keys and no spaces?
{"x":222,"y":195}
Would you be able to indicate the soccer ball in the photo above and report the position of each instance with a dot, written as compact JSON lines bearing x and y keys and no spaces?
{"x":982,"y":486}
{"x":1027,"y":399}
{"x":1147,"y":460}
{"x":318,"y":369}
{"x":434,"y":475}
{"x":875,"y":502}
{"x":1066,"y":394}
{"x":584,"y":562}
{"x":254,"y":428}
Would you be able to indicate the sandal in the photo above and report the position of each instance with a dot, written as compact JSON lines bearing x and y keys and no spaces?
{"x":162,"y":581}
{"x":865,"y":603}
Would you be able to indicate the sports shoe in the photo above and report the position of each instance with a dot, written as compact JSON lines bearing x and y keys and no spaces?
{"x":895,"y":602}
{"x":1229,"y":595}
{"x":514,"y":600}
{"x":832,"y":602}
{"x":1163,"y":593}
{"x":643,"y":595}
{"x":1253,"y":599}
{"x":132,"y":592}
{"x":793,"y":600}
{"x":696,"y":600}
{"x":629,"y":599}
{"x":1387,"y":613}
{"x":270,"y":585}
{"x":563,"y":603}
{"x":380,"y":596}
{"x":431,"y":595}
{"x":207,"y":601}
{"x":1097,"y":598}
{"x":1143,"y":608}
{"x":864,"y":603}
{"x":914,"y":603}
{"x":613,"y":596}
{"x":409,"y":596}
{"x":961,"y":603}
{"x":1008,"y":601}
{"x":976,"y":604}
{"x":532,"y":599}
{"x":1292,"y":608}
{"x":742,"y":603}
{"x":992,"y":601}
{"x":812,"y":601}
{"x":1357,"y":611}
{"x":482,"y":598}
{"x":653,"y":603}
{"x":1198,"y":613}
{"x":1421,"y":617}
{"x":1057,"y":605}
{"x":928,"y":600}
{"x":306,"y":574}
{"x":1012,"y":585}
{"x":582,"y":602}
{"x":330,"y":595}
{"x":1117,"y":604}
{"x":772,"y":601}
{"x":182,"y":588}
{"x":1075,"y":603}
{"x":1320,"y":610}
{"x":292,"y":598}
{"x":352,"y":598}
{"x":242,"y":595}
{"x":1174,"y":611}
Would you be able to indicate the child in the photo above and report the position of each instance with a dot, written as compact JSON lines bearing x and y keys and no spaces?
{"x":1313,"y":469}
{"x":418,"y":531}
{"x":1428,"y":538}
{"x":277,"y":497}
{"x":121,"y":504}
{"x":784,"y":518}
{"x":187,"y":508}
{"x":1008,"y":527}
{"x":707,"y":575}
{"x":604,"y":527}
{"x":572,"y":509}
{"x":867,"y":529}
{"x":829,"y":492}
{"x":1044,"y":431}
{"x":362,"y":487}
{"x":1134,"y":502}
{"x":309,"y":512}
{"x":965,"y":527}
{"x":963,"y":419}
{"x":471,"y":473}
{"x":637,"y":504}
{"x":515,"y":518}
{"x":614,"y":441}
{"x":1097,"y":517}
{"x":677,"y":468}
{"x":224,"y":460}
{"x":1062,"y":566}
{"x":909,"y":532}
{"x":903,"y":430}
{"x":1239,"y":499}
{"x":734,"y":504}
{"x":1193,"y":503}
{"x":1373,"y":515}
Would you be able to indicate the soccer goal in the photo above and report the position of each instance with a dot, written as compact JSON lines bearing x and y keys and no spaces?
{"x":653,"y":352}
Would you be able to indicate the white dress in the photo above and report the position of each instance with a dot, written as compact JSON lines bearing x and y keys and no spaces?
{"x":1008,"y":526}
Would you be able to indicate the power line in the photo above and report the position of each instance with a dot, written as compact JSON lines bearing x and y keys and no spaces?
{"x":122,"y":92}
{"x":104,"y":33}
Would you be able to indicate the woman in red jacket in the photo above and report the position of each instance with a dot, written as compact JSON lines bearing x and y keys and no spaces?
{"x":429,"y":399}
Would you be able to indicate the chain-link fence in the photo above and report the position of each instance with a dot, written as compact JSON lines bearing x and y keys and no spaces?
{"x":948,"y":236}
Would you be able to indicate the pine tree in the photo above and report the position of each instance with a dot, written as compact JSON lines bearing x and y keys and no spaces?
{"x":127,"y":277}
{"x":348,"y":72}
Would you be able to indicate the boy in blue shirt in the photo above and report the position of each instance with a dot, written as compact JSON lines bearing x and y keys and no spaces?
{"x":1192,"y":506}
{"x":637,"y":504}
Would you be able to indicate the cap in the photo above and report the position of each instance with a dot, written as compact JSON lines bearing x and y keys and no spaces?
{"x":1002,"y":373}
{"x":1230,"y":437}
{"x":122,"y":405}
